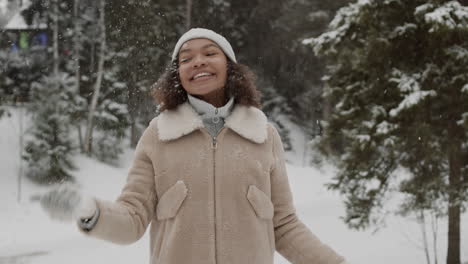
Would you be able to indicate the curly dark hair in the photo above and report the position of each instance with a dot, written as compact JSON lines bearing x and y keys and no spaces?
{"x":240,"y":84}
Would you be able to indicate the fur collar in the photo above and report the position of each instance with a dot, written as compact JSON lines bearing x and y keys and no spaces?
{"x":248,"y":122}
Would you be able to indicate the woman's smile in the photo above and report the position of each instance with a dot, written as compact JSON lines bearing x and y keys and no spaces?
{"x":203,"y":76}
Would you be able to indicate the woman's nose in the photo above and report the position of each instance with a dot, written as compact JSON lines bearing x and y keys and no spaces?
{"x":199,"y":61}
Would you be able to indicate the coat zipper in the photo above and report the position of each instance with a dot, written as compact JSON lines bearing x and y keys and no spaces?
{"x":214,"y":146}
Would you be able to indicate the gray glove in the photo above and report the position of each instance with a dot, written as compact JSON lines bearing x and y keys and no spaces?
{"x":67,"y":203}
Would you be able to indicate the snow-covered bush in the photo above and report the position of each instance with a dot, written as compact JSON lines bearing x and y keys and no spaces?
{"x":107,"y":147}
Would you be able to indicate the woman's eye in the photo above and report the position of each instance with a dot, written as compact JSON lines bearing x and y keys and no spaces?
{"x":184,"y":60}
{"x":211,"y":53}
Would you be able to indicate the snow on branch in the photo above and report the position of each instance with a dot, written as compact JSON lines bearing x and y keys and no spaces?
{"x":465,"y":88}
{"x":409,"y":86}
{"x":338,"y":27}
{"x":406,"y":83}
{"x":402,"y":30}
{"x":458,"y":53}
{"x":463,"y":120}
{"x":451,"y":15}
{"x":363,"y":138}
{"x":423,"y":9}
{"x":385,"y":128}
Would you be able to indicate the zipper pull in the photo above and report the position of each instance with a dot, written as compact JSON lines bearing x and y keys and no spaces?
{"x":215,"y":143}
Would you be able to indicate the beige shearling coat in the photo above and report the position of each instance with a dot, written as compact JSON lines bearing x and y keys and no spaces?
{"x":211,"y":201}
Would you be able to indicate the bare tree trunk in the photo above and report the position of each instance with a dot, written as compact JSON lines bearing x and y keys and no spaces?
{"x":422,"y":223}
{"x":304,"y":150}
{"x":188,"y":18}
{"x":97,"y":86}
{"x":76,"y":44}
{"x":93,"y":56}
{"x":76,"y":59}
{"x":80,"y":138}
{"x":435,"y":225}
{"x":134,"y":132}
{"x":55,"y":36}
{"x":132,"y":105}
{"x":453,"y":250}
{"x":21,"y":140}
{"x":326,"y":115}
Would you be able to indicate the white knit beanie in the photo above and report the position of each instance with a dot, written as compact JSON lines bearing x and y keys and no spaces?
{"x":195,"y":33}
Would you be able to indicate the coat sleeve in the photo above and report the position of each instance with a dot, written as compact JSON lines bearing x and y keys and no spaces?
{"x":125,"y":220}
{"x":293,"y":239}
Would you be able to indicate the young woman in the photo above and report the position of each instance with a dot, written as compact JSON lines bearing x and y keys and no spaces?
{"x":209,"y":172}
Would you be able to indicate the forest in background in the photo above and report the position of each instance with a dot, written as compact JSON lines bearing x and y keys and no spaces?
{"x":375,"y":85}
{"x":140,"y":35}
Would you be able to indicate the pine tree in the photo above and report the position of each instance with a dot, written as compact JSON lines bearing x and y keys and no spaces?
{"x":397,"y":79}
{"x":5,"y":83}
{"x":49,"y":150}
{"x":112,"y":118}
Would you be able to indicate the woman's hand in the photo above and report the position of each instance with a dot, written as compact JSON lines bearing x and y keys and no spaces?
{"x":67,"y":203}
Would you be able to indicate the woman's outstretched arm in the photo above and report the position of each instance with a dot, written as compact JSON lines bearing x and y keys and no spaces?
{"x":125,"y":220}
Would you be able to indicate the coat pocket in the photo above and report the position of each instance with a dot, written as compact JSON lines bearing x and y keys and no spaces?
{"x":260,"y":202}
{"x":171,"y":200}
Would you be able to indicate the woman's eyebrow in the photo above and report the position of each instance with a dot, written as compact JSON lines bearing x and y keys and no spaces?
{"x":210,"y":45}
{"x":204,"y":47}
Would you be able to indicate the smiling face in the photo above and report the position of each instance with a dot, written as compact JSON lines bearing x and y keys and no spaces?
{"x":203,"y":70}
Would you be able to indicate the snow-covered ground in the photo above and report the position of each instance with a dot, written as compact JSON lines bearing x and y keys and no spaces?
{"x":27,"y":235}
